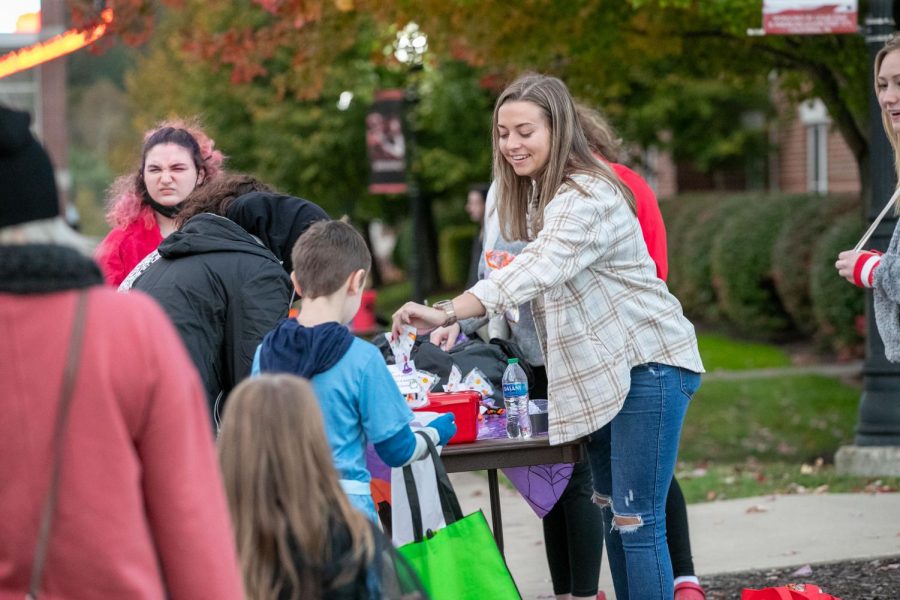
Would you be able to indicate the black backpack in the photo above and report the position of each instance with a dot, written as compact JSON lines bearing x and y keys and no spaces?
{"x":489,"y":358}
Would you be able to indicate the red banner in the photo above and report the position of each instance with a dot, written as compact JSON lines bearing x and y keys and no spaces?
{"x":809,"y":17}
{"x":386,"y":144}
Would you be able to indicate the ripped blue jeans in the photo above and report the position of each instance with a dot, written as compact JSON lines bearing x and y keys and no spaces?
{"x":632,"y":461}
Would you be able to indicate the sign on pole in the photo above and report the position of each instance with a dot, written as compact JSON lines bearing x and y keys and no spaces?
{"x":385,"y":143}
{"x":809,"y":17}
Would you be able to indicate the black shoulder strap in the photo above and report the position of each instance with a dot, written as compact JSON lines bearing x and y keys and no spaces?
{"x":449,"y":502}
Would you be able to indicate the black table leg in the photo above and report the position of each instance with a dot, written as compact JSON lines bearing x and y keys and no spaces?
{"x":496,"y":519}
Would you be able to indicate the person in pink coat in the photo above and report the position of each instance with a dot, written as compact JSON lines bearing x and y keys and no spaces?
{"x":176,"y":158}
{"x":140,"y":510}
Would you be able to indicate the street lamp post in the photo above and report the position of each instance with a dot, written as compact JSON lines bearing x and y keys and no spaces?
{"x":410,"y":47}
{"x":877,"y":443}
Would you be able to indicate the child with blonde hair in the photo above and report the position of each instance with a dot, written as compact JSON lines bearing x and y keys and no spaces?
{"x":297,"y":534}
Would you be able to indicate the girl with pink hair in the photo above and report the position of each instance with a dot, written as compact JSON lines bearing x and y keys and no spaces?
{"x":177,"y":157}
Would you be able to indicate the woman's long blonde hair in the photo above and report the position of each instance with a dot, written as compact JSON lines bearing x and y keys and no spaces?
{"x":283,"y":490}
{"x":569,"y":154}
{"x":600,"y":135}
{"x":892,"y":45}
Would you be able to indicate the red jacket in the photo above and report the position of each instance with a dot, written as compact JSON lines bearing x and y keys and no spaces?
{"x":141,"y":510}
{"x":122,"y":249}
{"x":649,"y":217}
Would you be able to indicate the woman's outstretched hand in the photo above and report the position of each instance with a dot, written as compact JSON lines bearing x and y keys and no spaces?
{"x":423,"y":318}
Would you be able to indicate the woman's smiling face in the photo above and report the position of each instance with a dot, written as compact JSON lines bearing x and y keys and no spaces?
{"x":524,"y":135}
{"x":888,"y":83}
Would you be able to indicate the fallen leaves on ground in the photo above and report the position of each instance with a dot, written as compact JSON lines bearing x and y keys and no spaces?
{"x":877,"y":487}
{"x":849,"y":580}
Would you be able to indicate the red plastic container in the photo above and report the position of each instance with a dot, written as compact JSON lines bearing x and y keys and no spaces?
{"x":462,"y":404}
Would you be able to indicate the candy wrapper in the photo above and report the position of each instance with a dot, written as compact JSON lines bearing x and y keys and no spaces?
{"x":475,"y":380}
{"x":454,"y":380}
{"x":402,"y":347}
{"x":413,"y":384}
{"x":497,"y":259}
{"x":427,"y":381}
{"x":407,"y":379}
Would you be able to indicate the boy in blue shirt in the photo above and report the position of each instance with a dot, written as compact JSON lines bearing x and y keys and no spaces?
{"x":359,"y":399}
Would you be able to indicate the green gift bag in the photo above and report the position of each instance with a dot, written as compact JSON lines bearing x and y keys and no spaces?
{"x":460,"y":561}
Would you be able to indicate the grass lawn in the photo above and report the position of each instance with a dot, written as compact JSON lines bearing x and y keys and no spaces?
{"x":789,"y":418}
{"x":773,"y":435}
{"x":723,"y":353}
{"x":703,"y":482}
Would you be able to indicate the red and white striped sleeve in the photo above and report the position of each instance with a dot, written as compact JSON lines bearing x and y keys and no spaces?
{"x":864,"y":269}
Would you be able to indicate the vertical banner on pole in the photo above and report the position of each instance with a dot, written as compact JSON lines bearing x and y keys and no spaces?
{"x":385,"y":143}
{"x":809,"y":17}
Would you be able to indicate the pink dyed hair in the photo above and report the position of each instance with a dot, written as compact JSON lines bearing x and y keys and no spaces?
{"x":124,"y":202}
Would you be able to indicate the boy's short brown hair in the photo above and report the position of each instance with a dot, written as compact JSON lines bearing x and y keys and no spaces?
{"x":326,"y":255}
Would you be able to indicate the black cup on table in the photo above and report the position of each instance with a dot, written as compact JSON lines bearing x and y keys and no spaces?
{"x":539,"y":421}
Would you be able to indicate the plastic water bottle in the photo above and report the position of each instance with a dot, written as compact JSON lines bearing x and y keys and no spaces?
{"x":515,"y":398}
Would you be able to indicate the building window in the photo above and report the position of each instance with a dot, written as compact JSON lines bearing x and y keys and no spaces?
{"x":817,"y":158}
{"x":814,"y":117}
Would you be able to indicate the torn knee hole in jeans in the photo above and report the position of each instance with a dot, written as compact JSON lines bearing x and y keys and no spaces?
{"x":627,"y":523}
{"x":601,"y":500}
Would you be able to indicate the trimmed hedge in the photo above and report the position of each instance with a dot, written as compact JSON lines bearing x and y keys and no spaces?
{"x":455,"y":253}
{"x":695,"y":290}
{"x":680,"y":217}
{"x":763,"y":265}
{"x":741,"y":264}
{"x":793,"y":250}
{"x":838,"y":307}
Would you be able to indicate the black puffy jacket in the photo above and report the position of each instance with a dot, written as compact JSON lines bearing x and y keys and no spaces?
{"x":224,"y":291}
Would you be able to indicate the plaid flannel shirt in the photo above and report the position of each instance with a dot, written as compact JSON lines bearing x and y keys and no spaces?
{"x":598,"y":306}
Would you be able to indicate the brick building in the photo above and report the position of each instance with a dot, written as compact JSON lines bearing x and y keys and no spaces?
{"x":809,"y":156}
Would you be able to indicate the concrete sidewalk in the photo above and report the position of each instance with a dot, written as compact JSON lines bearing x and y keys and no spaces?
{"x":727,"y":536}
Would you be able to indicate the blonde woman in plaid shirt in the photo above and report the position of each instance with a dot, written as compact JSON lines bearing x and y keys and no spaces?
{"x":622,"y":361}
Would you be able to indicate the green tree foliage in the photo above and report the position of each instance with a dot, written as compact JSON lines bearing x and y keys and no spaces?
{"x":619,"y":54}
{"x":282,"y":123}
{"x":628,"y":54}
{"x":304,"y":144}
{"x":101,"y":138}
